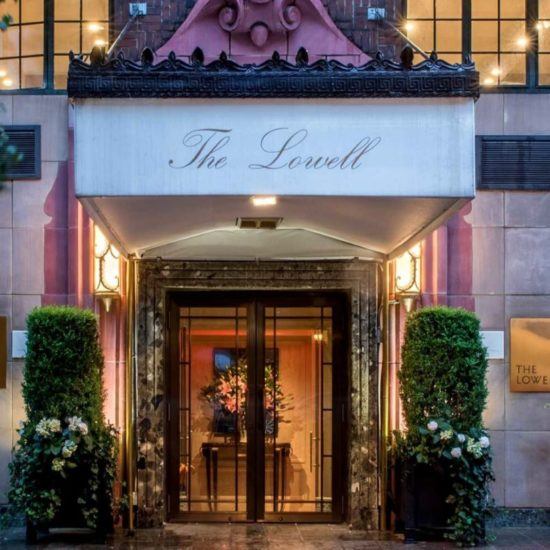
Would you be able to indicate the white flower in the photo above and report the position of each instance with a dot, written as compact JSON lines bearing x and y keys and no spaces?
{"x":48,"y":426}
{"x":83,"y":428}
{"x":484,"y":442}
{"x":57,"y":464}
{"x":446,"y":435}
{"x":456,"y":452}
{"x":55,"y":425}
{"x":42,"y":428}
{"x":69,"y":447}
{"x":461,"y":438}
{"x":73,"y":422}
{"x":474,"y":448}
{"x":76,"y":424}
{"x":432,"y":425}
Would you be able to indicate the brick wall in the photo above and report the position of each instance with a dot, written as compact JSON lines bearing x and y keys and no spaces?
{"x":165,"y":16}
{"x":351,"y":17}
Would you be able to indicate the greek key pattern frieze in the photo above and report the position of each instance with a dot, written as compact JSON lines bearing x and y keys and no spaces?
{"x":175,"y":77}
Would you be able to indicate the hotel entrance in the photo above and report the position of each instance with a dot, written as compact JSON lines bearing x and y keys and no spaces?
{"x":256,"y":418}
{"x":239,"y":404}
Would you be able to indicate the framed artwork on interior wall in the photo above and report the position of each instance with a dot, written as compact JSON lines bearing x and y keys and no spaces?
{"x":230,"y":365}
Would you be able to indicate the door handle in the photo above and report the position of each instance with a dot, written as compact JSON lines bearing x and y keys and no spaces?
{"x":260,"y":409}
{"x":312,"y":464}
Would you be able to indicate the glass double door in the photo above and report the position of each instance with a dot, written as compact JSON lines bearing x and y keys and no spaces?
{"x":256,"y":407}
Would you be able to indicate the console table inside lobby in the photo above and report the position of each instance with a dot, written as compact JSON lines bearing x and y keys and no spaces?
{"x":214,"y":452}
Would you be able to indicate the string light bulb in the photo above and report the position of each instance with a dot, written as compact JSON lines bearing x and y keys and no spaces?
{"x":409,"y":26}
{"x":522,"y":42}
{"x":496,"y":71}
{"x":7,"y":82}
{"x":489,"y":81}
{"x":95,"y":27}
{"x":100,"y":43}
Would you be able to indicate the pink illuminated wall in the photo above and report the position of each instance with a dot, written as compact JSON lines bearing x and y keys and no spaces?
{"x":68,"y":277}
{"x":446,"y":279}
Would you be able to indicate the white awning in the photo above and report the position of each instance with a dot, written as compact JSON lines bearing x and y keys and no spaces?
{"x":260,"y":244}
{"x":159,"y":175}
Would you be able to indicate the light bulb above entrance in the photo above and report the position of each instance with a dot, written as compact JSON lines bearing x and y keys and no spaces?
{"x":264,"y":201}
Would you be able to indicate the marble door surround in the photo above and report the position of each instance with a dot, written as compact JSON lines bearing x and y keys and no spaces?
{"x":359,"y":280}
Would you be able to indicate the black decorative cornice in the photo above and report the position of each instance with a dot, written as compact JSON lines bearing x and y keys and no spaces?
{"x":173,"y":77}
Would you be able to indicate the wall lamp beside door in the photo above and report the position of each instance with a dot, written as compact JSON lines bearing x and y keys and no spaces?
{"x":407,"y":277}
{"x":106,"y":269}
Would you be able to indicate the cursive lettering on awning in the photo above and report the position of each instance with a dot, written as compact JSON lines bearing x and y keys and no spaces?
{"x":280,"y":148}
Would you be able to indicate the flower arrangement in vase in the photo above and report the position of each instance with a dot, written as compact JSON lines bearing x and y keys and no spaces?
{"x":227,"y":395}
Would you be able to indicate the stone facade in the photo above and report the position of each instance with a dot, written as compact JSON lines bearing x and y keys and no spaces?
{"x":510,"y":257}
{"x":46,"y":257}
{"x":33,"y":220}
{"x":492,"y":258}
{"x":360,"y":280}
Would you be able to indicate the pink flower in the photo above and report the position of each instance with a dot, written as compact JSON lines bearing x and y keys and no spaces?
{"x":231,"y":404}
{"x":225,"y":388}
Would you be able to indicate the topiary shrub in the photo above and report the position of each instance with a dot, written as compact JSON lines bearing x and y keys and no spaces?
{"x":443,"y":368}
{"x":444,"y":392}
{"x":63,"y":366}
{"x":64,"y":465}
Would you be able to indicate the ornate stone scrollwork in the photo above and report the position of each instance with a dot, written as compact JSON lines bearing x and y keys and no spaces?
{"x":289,"y":13}
{"x":260,"y":19}
{"x":230,"y":16}
{"x":250,"y":30}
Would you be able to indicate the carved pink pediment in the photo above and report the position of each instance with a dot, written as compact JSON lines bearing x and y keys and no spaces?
{"x":249,"y":31}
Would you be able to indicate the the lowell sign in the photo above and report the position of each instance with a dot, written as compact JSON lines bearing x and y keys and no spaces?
{"x":282,"y":149}
{"x":530,"y":355}
{"x":406,"y":147}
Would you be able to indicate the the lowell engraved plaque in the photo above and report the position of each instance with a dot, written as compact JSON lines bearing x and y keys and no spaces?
{"x":530,"y":355}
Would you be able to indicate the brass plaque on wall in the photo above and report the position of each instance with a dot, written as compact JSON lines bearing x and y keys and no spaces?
{"x":530,"y":355}
{"x":3,"y":351}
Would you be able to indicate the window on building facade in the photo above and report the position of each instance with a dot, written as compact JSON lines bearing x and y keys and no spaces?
{"x":79,"y":25}
{"x":500,"y":41}
{"x":22,"y":45}
{"x":436,"y":25}
{"x":543,"y":31}
{"x":34,"y":49}
{"x":509,"y":40}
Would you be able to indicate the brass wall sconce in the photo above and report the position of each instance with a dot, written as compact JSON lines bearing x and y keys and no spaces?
{"x":106,"y":269}
{"x":407,"y":277}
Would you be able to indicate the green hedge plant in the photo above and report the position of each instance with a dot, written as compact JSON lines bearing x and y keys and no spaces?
{"x":443,"y":391}
{"x":64,"y":465}
{"x":63,"y":366}
{"x":443,"y":368}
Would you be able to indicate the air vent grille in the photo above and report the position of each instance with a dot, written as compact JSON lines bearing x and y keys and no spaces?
{"x":258,"y":223}
{"x":27,"y":141}
{"x":513,"y":162}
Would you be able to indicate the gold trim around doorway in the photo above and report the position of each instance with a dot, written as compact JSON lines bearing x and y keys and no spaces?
{"x":129,"y":425}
